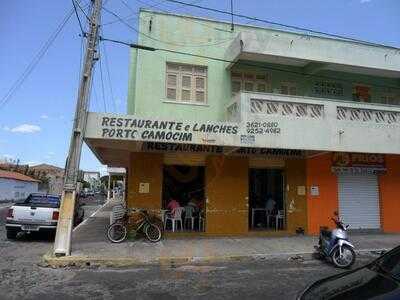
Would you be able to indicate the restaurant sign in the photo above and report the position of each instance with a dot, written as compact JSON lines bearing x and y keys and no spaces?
{"x":129,"y":127}
{"x":215,"y":149}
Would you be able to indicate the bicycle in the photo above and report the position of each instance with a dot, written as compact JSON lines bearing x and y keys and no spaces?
{"x":136,"y":220}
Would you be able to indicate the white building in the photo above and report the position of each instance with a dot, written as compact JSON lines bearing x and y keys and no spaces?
{"x":93,"y":178}
{"x":15,"y":186}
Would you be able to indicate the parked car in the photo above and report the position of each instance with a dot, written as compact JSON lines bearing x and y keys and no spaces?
{"x":37,"y":213}
{"x":377,"y":280}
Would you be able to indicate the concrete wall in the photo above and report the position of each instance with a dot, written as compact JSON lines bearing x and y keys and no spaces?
{"x":321,"y":207}
{"x":146,"y":95}
{"x":296,"y":204}
{"x":227,"y":195}
{"x":317,"y":49}
{"x":389,"y":184}
{"x":145,"y":168}
{"x":9,"y":188}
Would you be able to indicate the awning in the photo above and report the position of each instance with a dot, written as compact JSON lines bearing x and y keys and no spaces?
{"x":112,"y":138}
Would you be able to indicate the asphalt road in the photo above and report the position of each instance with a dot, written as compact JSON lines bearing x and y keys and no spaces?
{"x":22,"y":277}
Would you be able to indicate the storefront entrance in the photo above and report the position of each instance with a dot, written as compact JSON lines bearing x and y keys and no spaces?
{"x":183,"y":200}
{"x":266,"y":199}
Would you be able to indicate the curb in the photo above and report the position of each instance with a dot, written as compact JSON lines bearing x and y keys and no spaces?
{"x":86,"y":261}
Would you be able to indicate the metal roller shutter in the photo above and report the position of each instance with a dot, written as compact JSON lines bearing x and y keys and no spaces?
{"x":359,"y":201}
{"x":186,"y":159}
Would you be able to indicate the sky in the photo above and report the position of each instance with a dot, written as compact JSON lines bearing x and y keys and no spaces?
{"x":35,"y":123}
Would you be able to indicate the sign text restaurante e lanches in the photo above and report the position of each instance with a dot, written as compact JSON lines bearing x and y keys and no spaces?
{"x":113,"y":127}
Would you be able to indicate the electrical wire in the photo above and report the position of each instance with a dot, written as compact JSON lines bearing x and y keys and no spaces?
{"x":102,"y":84}
{"x":109,"y":77}
{"x":96,"y":100}
{"x":36,"y":59}
{"x":79,"y":20}
{"x":161,"y":41}
{"x":82,"y":10}
{"x":134,"y":13}
{"x":282,"y":25}
{"x":188,"y":20}
{"x":142,"y":47}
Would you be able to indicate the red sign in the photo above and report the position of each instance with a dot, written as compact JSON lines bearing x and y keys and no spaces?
{"x":345,"y":159}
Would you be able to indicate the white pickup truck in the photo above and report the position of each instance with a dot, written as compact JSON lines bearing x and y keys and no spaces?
{"x":38,"y":212}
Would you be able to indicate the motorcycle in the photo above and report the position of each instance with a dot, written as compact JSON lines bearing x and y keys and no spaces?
{"x":335,"y":245}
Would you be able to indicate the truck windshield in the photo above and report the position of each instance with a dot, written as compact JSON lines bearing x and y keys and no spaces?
{"x":43,"y":201}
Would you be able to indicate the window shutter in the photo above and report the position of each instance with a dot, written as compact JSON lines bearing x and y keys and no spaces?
{"x":284,"y":90}
{"x":249,"y":86}
{"x":236,"y":86}
{"x":186,"y":82}
{"x":185,"y":95}
{"x":200,"y":83}
{"x":200,"y":96}
{"x":171,"y":93}
{"x":261,"y":87}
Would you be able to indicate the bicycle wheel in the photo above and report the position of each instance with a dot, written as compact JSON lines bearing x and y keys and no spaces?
{"x":117,"y":232}
{"x":153,"y":233}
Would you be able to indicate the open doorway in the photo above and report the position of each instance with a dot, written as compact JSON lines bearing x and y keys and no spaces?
{"x":266,"y":199}
{"x":183,"y":199}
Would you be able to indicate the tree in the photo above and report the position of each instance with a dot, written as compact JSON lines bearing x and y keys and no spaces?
{"x":85,"y":185}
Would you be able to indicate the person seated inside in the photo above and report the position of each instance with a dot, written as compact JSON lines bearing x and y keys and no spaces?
{"x":200,"y":204}
{"x":270,"y":205}
{"x":193,"y":203}
{"x":173,"y":204}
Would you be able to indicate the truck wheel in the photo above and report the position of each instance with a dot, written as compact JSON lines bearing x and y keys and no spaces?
{"x":12,"y":234}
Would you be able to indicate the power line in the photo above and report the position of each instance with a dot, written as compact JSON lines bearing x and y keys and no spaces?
{"x":142,"y":47}
{"x":77,"y":16}
{"x":102,"y":86}
{"x":109,"y":77}
{"x":43,"y":50}
{"x":189,"y":19}
{"x":281,"y":24}
{"x":129,"y":17}
{"x":82,"y":10}
{"x":161,"y":41}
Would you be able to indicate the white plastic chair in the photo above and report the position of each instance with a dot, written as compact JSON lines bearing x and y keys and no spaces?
{"x":189,"y":210}
{"x":175,"y":217}
{"x":279,"y":219}
{"x":201,"y":220}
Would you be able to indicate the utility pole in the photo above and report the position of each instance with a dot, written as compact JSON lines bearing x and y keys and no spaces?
{"x":62,"y":243}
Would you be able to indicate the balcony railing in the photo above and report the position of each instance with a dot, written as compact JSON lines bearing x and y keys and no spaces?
{"x":320,"y":124}
{"x":246,"y":104}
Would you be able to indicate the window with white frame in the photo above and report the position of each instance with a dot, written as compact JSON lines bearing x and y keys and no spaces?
{"x":288,"y":88}
{"x":249,"y":82}
{"x":186,"y":83}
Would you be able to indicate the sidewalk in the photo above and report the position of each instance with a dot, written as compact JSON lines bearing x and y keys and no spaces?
{"x":90,"y":246}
